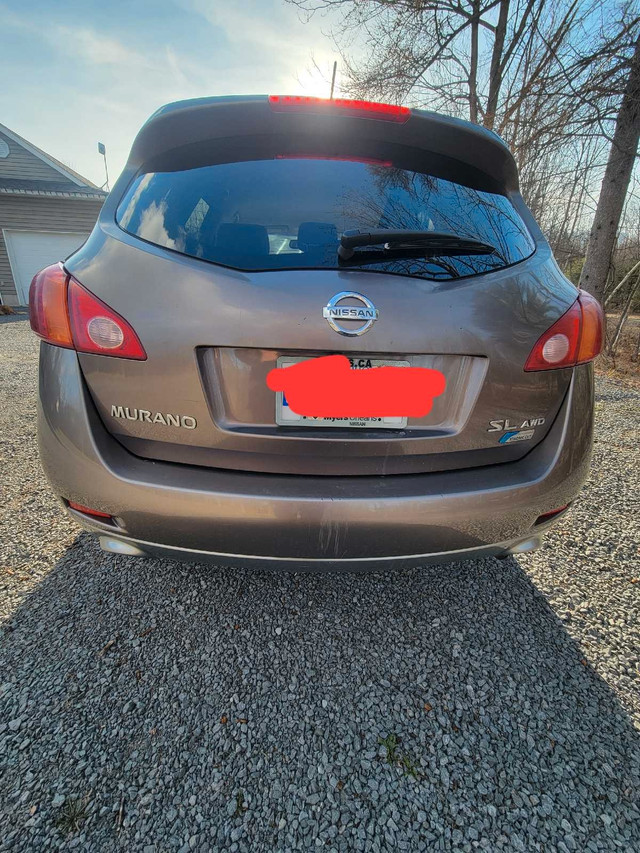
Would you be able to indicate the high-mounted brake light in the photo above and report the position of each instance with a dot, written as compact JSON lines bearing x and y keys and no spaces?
{"x":368,"y":161}
{"x":573,"y":339}
{"x":64,"y":313}
{"x":327,"y":106}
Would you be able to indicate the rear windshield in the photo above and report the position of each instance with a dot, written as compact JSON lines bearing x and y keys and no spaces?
{"x":289,"y":213}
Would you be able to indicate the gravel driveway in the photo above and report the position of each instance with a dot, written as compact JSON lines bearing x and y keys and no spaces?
{"x":148,"y":706}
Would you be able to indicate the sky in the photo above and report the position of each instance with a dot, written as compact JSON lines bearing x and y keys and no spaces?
{"x":77,"y":73}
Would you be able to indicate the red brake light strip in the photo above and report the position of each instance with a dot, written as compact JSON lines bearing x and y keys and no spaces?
{"x":369,"y":161}
{"x":358,"y":109}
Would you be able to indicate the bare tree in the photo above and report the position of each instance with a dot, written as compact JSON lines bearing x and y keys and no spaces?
{"x":615,"y":184}
{"x":547,"y":75}
{"x":478,"y":59}
{"x":624,"y":315}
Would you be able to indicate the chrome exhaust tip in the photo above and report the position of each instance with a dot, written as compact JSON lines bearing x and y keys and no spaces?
{"x":527,"y":545}
{"x":118,"y":546}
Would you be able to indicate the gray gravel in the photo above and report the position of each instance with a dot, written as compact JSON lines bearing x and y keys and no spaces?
{"x":148,"y":706}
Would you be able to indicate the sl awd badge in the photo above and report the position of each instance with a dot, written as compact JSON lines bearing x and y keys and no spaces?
{"x":515,"y":431}
{"x":502,"y":426}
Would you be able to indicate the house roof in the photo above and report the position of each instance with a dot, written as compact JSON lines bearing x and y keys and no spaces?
{"x":70,"y":184}
{"x":24,"y":186}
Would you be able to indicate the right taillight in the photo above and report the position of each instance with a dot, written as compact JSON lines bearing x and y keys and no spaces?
{"x":592,"y":331}
{"x":64,"y":313}
{"x":573,"y":339}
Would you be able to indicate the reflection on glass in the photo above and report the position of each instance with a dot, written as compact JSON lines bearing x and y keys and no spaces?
{"x":287,"y":214}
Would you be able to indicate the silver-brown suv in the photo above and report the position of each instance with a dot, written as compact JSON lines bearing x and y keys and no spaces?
{"x":251,"y":234}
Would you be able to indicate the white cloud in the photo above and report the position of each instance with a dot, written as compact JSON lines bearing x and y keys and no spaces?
{"x":125,"y":216}
{"x":152,"y":227}
{"x":109,"y":83}
{"x":97,"y":48}
{"x":271,"y":37}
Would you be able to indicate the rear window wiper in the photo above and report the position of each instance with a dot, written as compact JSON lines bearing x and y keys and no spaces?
{"x":423,"y":243}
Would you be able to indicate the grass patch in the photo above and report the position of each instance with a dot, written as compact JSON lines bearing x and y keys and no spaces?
{"x":390,"y":743}
{"x":408,"y":767}
{"x":396,"y":758}
{"x":241,"y":806}
{"x":72,"y":815}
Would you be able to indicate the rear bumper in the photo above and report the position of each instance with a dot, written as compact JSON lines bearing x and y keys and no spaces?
{"x":119,"y":545}
{"x":230,"y":517}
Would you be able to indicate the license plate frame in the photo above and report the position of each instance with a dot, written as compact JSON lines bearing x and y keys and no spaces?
{"x":286,"y":417}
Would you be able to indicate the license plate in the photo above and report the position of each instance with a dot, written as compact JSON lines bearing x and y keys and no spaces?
{"x":286,"y":417}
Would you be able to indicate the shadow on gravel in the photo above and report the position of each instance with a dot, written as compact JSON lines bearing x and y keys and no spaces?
{"x":20,"y":315}
{"x":234,"y":710}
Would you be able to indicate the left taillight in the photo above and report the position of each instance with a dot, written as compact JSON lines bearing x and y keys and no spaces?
{"x":64,"y":313}
{"x":575,"y":338}
{"x":98,"y":329}
{"x":48,"y":313}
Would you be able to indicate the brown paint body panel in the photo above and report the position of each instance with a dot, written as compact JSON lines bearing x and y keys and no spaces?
{"x":334,"y":519}
{"x":212,"y":335}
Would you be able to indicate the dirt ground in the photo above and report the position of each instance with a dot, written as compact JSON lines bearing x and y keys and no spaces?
{"x":622,"y":366}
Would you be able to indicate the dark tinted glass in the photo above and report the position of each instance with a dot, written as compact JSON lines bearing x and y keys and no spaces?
{"x":290,"y":213}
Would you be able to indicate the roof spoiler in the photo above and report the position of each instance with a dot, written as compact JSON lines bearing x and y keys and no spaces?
{"x":187,"y":123}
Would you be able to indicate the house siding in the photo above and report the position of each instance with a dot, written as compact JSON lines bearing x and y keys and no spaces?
{"x":21,"y":163}
{"x":40,"y":214}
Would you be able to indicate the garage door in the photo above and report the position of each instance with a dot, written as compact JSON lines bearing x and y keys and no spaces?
{"x":30,"y":251}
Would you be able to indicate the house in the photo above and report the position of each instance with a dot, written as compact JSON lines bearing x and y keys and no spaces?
{"x":46,"y":211}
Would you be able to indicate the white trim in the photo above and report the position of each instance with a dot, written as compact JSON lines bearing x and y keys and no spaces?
{"x":12,"y":260}
{"x":92,"y":196}
{"x":13,"y":229}
{"x":42,"y":156}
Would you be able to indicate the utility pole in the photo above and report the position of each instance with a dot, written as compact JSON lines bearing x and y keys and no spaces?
{"x":333,"y":79}
{"x":102,"y":150}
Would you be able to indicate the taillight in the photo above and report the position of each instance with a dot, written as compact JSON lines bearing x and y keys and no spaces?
{"x":96,"y":328}
{"x":357,"y":109}
{"x":64,"y":313}
{"x":573,"y":339}
{"x":592,"y":333}
{"x":48,"y":313}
